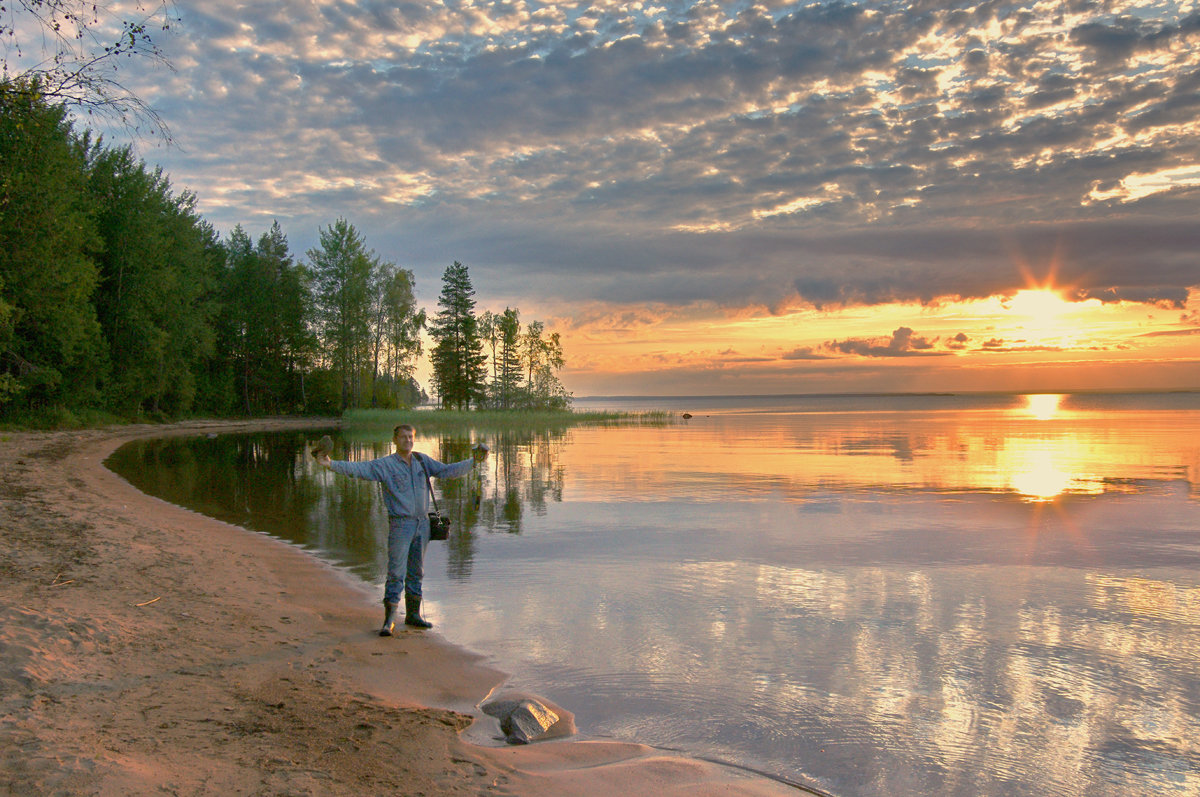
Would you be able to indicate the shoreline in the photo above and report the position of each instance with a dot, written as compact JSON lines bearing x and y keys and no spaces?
{"x":146,"y":647}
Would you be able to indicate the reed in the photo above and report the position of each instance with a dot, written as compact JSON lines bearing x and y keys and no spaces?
{"x":501,"y":420}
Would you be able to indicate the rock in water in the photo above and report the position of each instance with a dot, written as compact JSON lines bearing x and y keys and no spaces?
{"x":527,"y":722}
{"x":522,"y":721}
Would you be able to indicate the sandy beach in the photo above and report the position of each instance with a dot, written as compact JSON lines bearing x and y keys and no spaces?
{"x":147,"y":649}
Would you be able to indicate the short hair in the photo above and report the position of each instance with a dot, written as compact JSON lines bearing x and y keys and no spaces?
{"x":403,"y":427}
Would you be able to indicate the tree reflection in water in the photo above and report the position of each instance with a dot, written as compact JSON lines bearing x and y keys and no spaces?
{"x":267,"y":482}
{"x":522,"y":473}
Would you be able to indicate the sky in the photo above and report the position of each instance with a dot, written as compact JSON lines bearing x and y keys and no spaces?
{"x":745,"y":197}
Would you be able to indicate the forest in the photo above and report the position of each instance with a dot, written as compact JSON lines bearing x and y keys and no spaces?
{"x":119,"y":301}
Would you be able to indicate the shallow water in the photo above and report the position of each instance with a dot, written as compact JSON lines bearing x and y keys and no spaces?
{"x":875,"y":596}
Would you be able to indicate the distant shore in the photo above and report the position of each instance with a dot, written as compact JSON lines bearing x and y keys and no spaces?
{"x":146,"y":647}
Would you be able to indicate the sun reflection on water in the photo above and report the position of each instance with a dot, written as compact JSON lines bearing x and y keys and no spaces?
{"x":1036,"y":448}
{"x":1043,"y":406}
{"x":1039,"y":478}
{"x":1041,"y":469}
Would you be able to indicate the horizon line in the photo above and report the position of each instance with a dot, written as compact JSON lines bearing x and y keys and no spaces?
{"x":884,"y":394}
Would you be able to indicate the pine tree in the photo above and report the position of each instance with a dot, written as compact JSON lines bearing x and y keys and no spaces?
{"x":265,"y":322}
{"x":508,"y":379}
{"x":289,"y":341}
{"x":242,"y":298}
{"x":342,"y":270}
{"x":459,"y":364}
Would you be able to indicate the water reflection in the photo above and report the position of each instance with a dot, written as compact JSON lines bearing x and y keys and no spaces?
{"x":268,"y":483}
{"x":521,"y":475}
{"x":1034,"y":470}
{"x":872,"y":680}
{"x":1009,"y":450}
{"x":980,"y":600}
{"x":1043,"y":406}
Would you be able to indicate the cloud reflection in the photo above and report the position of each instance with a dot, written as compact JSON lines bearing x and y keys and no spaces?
{"x":869,"y":680}
{"x":1032,"y":447}
{"x":841,"y":590}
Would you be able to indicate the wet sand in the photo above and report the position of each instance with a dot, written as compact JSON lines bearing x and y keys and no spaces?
{"x":145,"y":648}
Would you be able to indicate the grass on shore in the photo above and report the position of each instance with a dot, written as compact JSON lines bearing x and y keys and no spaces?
{"x":60,"y":419}
{"x":56,"y":419}
{"x":501,"y":420}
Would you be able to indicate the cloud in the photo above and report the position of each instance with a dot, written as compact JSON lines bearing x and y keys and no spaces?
{"x":1174,"y":296}
{"x":1137,"y":186}
{"x":831,"y":154}
{"x":1113,"y":43}
{"x":999,"y":345}
{"x":904,"y":343}
{"x":1172,"y":333}
{"x":736,"y":360}
{"x":805,"y":353}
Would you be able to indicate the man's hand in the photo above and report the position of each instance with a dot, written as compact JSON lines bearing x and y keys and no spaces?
{"x":322,"y":458}
{"x":479,"y":452}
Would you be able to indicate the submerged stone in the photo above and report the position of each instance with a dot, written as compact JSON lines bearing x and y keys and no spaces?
{"x":522,"y":720}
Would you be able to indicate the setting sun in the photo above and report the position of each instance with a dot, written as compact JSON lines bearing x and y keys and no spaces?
{"x":1028,"y":340}
{"x":1042,"y":316}
{"x":1043,"y":305}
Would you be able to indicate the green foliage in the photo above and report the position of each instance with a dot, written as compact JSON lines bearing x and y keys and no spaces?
{"x":368,"y":325}
{"x":116,"y":297}
{"x":291,"y":342}
{"x":323,"y":388}
{"x":57,"y":417}
{"x":525,"y":364}
{"x":343,"y":271}
{"x":264,"y":324}
{"x":154,"y":295}
{"x":459,"y":364}
{"x":49,"y":334}
{"x":106,"y":274}
{"x":396,"y":328}
{"x":506,"y":387}
{"x":542,"y":357}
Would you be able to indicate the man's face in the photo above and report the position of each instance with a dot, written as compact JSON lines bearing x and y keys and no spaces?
{"x":404,"y":441}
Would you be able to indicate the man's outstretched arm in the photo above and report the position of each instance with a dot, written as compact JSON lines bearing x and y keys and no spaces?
{"x":361,"y":470}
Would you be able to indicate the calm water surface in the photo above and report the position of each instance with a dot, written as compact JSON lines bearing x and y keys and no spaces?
{"x":874,"y":596}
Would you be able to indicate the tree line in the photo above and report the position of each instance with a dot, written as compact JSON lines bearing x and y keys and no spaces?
{"x":117,"y":296}
{"x":525,"y":361}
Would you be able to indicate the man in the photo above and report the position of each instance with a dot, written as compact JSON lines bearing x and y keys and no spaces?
{"x":403,"y":476}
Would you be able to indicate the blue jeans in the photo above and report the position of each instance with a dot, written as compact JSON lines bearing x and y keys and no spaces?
{"x":406,"y":556}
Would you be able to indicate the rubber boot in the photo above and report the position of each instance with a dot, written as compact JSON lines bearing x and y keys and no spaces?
{"x":412,"y":612}
{"x":389,"y":618}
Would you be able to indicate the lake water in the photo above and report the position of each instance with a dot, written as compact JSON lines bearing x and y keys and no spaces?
{"x":944,"y":595}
